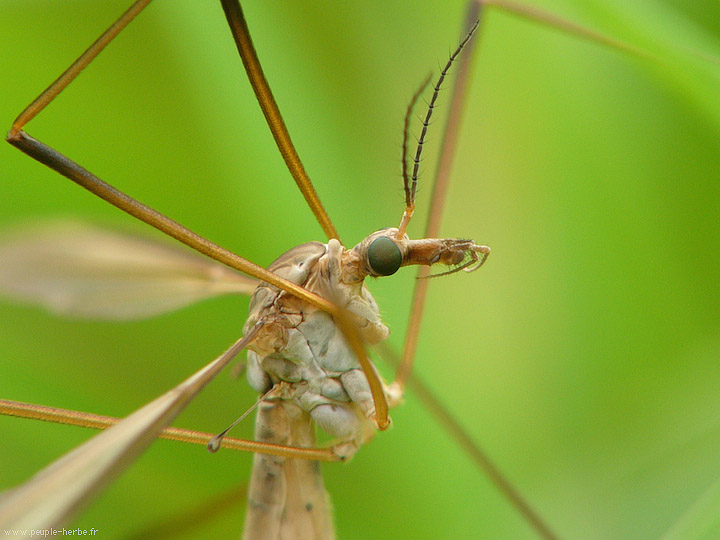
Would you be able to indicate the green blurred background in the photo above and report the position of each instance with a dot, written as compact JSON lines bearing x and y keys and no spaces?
{"x":583,"y":356}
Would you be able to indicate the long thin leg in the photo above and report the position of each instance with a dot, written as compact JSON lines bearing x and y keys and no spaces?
{"x":241,"y":34}
{"x":481,"y":458}
{"x":269,"y":107}
{"x":437,"y":199}
{"x":98,"y":421}
{"x":68,"y":168}
{"x":46,"y":500}
{"x":450,"y":135}
{"x":440,"y":187}
{"x":52,"y":91}
{"x":442,"y":176}
{"x":539,"y":16}
{"x":432,"y":228}
{"x":58,"y":162}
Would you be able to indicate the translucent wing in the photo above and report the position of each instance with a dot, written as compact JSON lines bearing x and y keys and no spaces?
{"x":80,"y":270}
{"x":62,"y":489}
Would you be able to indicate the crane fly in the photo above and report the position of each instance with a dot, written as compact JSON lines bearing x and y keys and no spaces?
{"x":310,"y":316}
{"x":187,"y":349}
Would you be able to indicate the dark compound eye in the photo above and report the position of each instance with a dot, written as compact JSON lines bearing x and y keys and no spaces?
{"x":384,"y":256}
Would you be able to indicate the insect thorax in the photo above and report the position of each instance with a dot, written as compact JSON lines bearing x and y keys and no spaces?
{"x":302,"y":355}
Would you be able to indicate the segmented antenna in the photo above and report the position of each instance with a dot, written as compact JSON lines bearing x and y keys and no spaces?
{"x":410,"y":192}
{"x":406,"y":136}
